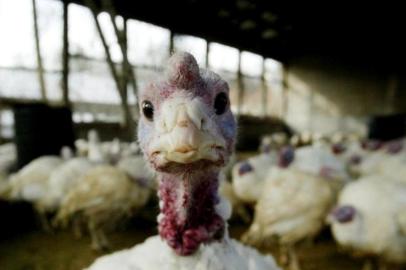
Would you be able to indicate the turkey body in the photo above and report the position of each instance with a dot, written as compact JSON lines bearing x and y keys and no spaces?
{"x":103,"y":197}
{"x":31,"y":182}
{"x":62,"y":179}
{"x":292,"y":207}
{"x":154,"y":253}
{"x":249,"y":176}
{"x":378,"y":226}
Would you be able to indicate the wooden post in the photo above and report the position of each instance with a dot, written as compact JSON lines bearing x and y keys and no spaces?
{"x":240,"y":84}
{"x":285,"y":90}
{"x":264,"y":90}
{"x":122,"y":42}
{"x":128,"y":121}
{"x":126,"y":67}
{"x":207,"y":59}
{"x":171,"y":43}
{"x":128,"y":72}
{"x":65,"y":56}
{"x":40,"y":67}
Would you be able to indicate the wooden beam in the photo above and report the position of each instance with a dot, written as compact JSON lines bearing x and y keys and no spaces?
{"x":65,"y":56}
{"x":106,"y":49}
{"x":240,"y":86}
{"x":264,"y":89}
{"x":126,"y":67}
{"x":40,"y":67}
{"x":285,"y":91}
{"x":171,"y":43}
{"x":128,"y":121}
{"x":207,"y":59}
{"x":128,"y":72}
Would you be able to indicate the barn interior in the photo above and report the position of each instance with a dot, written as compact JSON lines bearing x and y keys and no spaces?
{"x":327,"y":79}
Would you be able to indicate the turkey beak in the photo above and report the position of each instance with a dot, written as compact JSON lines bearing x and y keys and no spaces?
{"x":186,"y":134}
{"x":186,"y":139}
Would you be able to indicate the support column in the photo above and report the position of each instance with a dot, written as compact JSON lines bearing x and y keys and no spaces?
{"x":171,"y":43}
{"x":285,"y":90}
{"x":65,"y":56}
{"x":207,"y":59}
{"x":240,"y":84}
{"x":40,"y":67}
{"x":264,"y":90}
{"x":128,"y":120}
{"x":121,"y":35}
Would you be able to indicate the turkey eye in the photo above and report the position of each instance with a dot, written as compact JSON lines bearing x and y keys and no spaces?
{"x":148,"y":109}
{"x":220,"y":103}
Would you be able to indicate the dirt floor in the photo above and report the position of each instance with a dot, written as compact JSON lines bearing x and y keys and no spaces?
{"x":36,"y":250}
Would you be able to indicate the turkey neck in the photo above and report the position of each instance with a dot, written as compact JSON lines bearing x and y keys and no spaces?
{"x":187,"y":204}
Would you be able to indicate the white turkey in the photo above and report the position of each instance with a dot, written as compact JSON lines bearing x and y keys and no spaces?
{"x":61,"y":180}
{"x":239,"y":208}
{"x":370,"y":219}
{"x":31,"y":182}
{"x":389,"y":160}
{"x":187,"y":133}
{"x":296,"y":197}
{"x":248,"y":176}
{"x":103,"y":197}
{"x":138,"y":170}
{"x":289,"y":211}
{"x":8,"y":159}
{"x":273,"y":142}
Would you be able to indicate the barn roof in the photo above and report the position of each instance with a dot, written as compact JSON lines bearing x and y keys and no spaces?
{"x":362,"y":34}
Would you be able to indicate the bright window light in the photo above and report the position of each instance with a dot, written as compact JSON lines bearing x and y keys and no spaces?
{"x":251,"y":64}
{"x":83,"y":37}
{"x":193,"y":45}
{"x":16,"y":24}
{"x":148,"y":44}
{"x":223,"y":57}
{"x":273,"y":70}
{"x":110,"y":36}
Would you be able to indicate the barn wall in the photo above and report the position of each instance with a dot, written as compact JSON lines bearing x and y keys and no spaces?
{"x":325,"y":95}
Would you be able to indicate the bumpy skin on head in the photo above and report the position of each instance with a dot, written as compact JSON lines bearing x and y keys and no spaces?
{"x":187,"y":139}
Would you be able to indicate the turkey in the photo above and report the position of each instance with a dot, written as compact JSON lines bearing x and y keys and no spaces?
{"x":239,"y":208}
{"x":187,"y":133}
{"x":273,"y":142}
{"x":352,"y":154}
{"x":370,"y":219}
{"x":302,"y":139}
{"x":102,"y":198}
{"x":31,"y":182}
{"x":8,"y":159}
{"x":95,"y":150}
{"x":62,"y":179}
{"x":316,"y":160}
{"x":248,"y":176}
{"x":389,"y":160}
{"x":138,"y":170}
{"x":105,"y":152}
{"x":297,"y":195}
